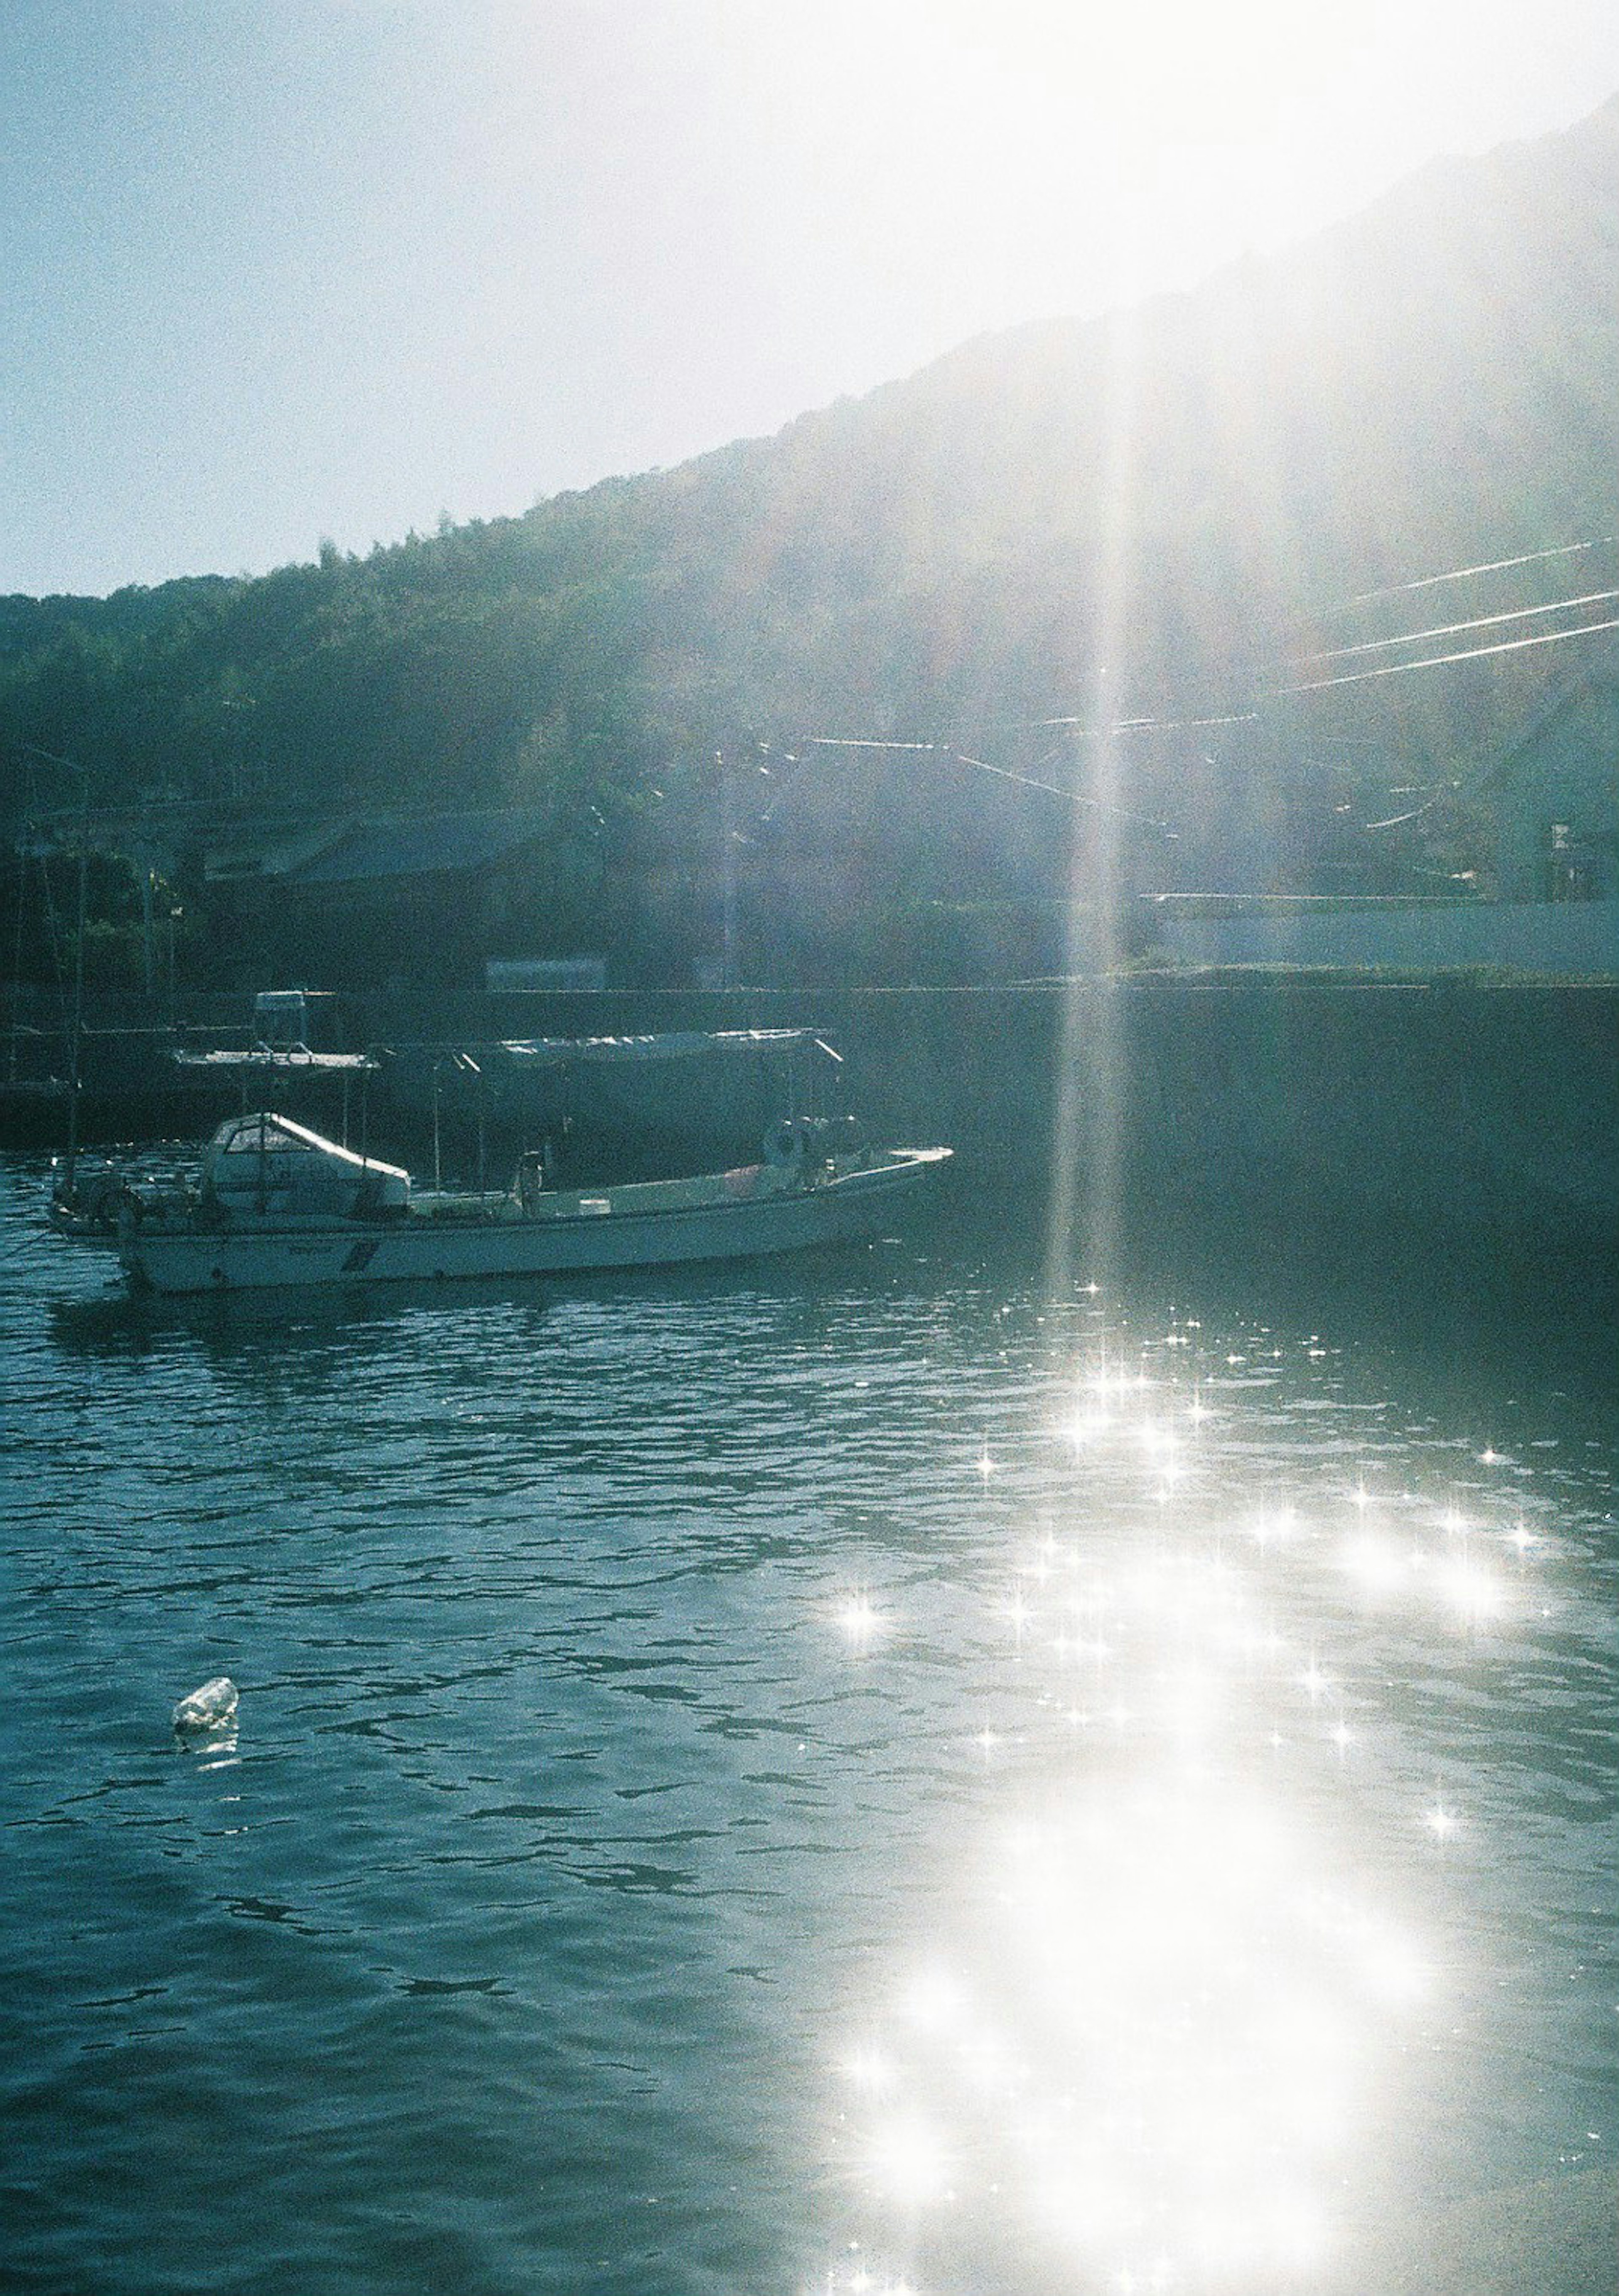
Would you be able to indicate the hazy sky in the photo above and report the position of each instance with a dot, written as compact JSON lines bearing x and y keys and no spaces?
{"x":273,"y":270}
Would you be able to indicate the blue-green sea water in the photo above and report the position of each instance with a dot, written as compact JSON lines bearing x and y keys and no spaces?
{"x":847,"y":1775}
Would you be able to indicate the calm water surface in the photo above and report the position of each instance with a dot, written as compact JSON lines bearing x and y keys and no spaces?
{"x":845,"y":1776}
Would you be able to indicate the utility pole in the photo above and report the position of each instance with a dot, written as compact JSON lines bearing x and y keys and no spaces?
{"x":145,"y":870}
{"x":728,"y":838}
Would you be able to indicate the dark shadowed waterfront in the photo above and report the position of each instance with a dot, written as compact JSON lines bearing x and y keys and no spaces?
{"x":837,"y":1777}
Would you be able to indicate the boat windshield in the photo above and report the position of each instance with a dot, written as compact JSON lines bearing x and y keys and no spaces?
{"x":257,"y":1136}
{"x":268,"y":1134}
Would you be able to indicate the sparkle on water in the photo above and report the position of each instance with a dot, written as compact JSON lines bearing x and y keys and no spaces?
{"x":1176,"y":1770}
{"x":1183,"y":1964}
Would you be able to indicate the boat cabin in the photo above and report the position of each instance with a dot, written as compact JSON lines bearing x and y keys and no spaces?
{"x":266,"y":1164}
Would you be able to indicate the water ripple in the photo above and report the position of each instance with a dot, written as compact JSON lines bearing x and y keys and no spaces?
{"x":752,"y":1781}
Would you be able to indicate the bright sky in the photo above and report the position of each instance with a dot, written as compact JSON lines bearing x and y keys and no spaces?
{"x":274,"y":270}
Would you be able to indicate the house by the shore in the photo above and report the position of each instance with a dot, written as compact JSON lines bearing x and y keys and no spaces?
{"x":1544,"y":901}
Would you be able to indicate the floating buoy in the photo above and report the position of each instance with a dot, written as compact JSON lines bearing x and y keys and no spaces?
{"x":213,"y":1706}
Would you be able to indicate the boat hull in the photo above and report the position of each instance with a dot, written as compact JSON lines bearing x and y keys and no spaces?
{"x":622,"y":1228}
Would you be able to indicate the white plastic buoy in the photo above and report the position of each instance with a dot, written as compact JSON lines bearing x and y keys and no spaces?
{"x":213,"y":1706}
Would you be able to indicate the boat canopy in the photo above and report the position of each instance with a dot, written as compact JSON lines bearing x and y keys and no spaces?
{"x":630,"y":1107}
{"x":634,"y":1051}
{"x":276,"y":1060}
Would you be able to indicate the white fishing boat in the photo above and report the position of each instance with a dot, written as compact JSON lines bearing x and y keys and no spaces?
{"x":275,"y":1204}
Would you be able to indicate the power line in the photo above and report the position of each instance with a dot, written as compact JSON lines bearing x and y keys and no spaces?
{"x":1074,"y":797}
{"x":860,"y":742}
{"x":1452,"y":629}
{"x":983,"y":766}
{"x":1084,"y":730}
{"x":1084,"y":727}
{"x":1399,"y":820}
{"x":1091,"y":732}
{"x":1440,"y":661}
{"x":1464,"y":573}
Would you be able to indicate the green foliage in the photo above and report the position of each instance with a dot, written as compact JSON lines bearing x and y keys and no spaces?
{"x":1190,"y":496}
{"x":39,"y":921}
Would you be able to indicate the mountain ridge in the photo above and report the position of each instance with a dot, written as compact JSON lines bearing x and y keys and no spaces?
{"x":1176,"y":497}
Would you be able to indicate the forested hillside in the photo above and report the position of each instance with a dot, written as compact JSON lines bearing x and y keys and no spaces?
{"x":1185,"y":496}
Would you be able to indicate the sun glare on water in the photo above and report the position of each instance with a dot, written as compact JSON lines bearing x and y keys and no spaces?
{"x":1146,"y":2043}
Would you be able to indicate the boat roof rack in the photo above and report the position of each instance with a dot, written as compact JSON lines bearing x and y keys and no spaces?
{"x":688,"y":1044}
{"x":260,"y":1059}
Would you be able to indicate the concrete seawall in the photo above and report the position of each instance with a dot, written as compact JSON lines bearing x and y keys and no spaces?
{"x":1477,"y":1110}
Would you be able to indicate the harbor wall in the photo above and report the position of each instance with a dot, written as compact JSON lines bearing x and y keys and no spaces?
{"x":1482,"y":1109}
{"x":1489,"y":1110}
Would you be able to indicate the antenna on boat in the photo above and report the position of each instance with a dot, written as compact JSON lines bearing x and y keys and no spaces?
{"x":467,"y":1066}
{"x":75,"y":1070}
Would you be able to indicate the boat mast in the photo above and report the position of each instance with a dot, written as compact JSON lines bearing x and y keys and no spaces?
{"x":75,"y":1054}
{"x":76,"y":1040}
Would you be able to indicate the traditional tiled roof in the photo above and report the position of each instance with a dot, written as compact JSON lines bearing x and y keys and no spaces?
{"x":426,"y":845}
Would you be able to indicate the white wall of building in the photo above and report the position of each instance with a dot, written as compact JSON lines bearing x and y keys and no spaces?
{"x":1568,"y":940}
